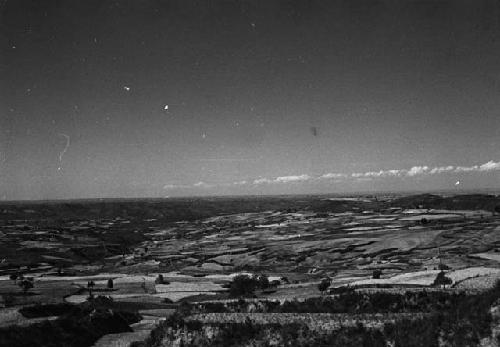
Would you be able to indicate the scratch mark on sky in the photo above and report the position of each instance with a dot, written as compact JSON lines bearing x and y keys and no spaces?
{"x":68,"y":139}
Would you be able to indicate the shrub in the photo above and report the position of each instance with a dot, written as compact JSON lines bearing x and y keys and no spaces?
{"x":324,"y":285}
{"x":263,"y":281}
{"x":442,"y":280}
{"x":80,"y":326}
{"x":26,"y":283}
{"x":243,"y":285}
{"x":13,"y":277}
{"x":160,"y":280}
{"x":443,"y":267}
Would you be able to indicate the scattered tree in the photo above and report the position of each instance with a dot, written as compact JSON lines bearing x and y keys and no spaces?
{"x":26,"y":283}
{"x":160,"y":280}
{"x":263,"y":281}
{"x":90,"y":287}
{"x":13,"y":277}
{"x":243,"y":285}
{"x":443,"y":267}
{"x":442,"y":280}
{"x":324,"y":285}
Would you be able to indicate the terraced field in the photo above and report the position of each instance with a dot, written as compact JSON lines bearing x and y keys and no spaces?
{"x":155,"y":257}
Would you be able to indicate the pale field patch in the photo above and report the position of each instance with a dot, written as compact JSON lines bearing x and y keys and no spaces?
{"x":425,"y":278}
{"x":488,"y":256}
{"x":462,"y":274}
{"x":202,"y":286}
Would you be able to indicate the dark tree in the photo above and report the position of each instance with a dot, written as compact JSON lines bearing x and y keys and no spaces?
{"x":90,"y":287}
{"x":110,"y":283}
{"x":263,"y":281}
{"x":26,"y":284}
{"x":324,"y":285}
{"x":160,"y":280}
{"x":243,"y":285}
{"x":13,"y":277}
{"x":442,"y":280}
{"x":376,"y":274}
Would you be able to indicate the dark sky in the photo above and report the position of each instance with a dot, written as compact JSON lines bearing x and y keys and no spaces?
{"x":151,"y":98}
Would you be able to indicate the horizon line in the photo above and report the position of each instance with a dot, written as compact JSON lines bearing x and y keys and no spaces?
{"x":494,"y":191}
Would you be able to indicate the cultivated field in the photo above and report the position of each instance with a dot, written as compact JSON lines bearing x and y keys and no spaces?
{"x":155,"y":254}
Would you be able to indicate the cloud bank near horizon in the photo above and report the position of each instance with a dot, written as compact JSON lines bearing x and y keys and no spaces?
{"x":415,"y":171}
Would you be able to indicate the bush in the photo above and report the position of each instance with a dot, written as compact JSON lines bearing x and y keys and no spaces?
{"x":376,"y":274}
{"x":243,"y":285}
{"x":263,"y":281}
{"x":443,"y":267}
{"x":26,"y":283}
{"x":442,"y":280}
{"x":160,"y":280}
{"x":324,"y":285}
{"x":81,"y":326}
{"x":451,"y":319}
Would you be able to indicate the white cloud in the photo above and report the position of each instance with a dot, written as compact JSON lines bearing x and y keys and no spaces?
{"x":287,"y":179}
{"x":359,"y":176}
{"x":417,"y":170}
{"x":383,"y":173}
{"x":262,"y":180}
{"x":441,"y":169}
{"x":333,"y":175}
{"x":283,"y":179}
{"x":466,"y":168}
{"x":490,"y":166}
{"x":202,"y":185}
{"x":394,"y":172}
{"x":170,"y":186}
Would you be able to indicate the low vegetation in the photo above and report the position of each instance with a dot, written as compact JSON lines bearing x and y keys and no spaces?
{"x":450,"y":319}
{"x":78,"y":325}
{"x":245,"y":285}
